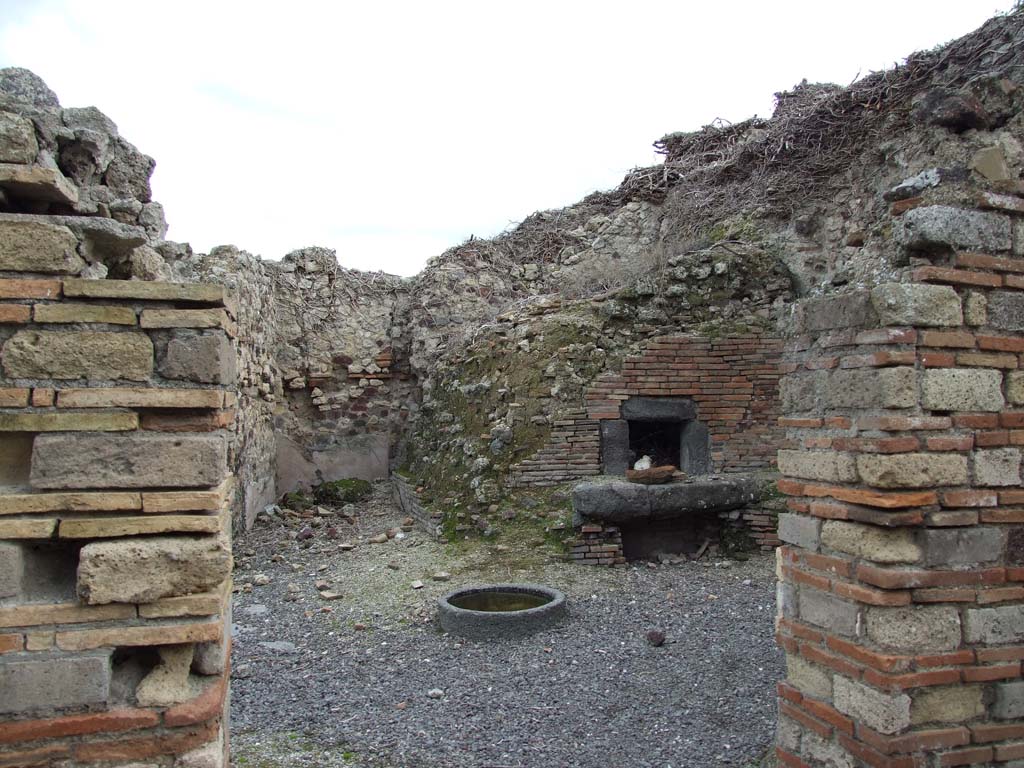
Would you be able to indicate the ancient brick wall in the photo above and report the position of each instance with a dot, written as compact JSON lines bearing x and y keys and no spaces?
{"x":116,"y":400}
{"x":901,"y":595}
{"x":732,"y":380}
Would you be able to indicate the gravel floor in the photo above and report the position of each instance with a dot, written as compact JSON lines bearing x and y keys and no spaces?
{"x":345,"y":682}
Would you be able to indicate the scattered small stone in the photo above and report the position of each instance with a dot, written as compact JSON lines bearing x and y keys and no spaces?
{"x":441,"y":576}
{"x":401,"y":705}
{"x":408,"y":521}
{"x":261,"y":579}
{"x":393,"y":532}
{"x":327,"y":594}
{"x":359,"y":626}
{"x":346,"y":546}
{"x":380,"y":538}
{"x":322,"y":584}
{"x":241,"y":672}
{"x":331,"y":532}
{"x":435,"y":693}
{"x":656,"y":638}
{"x":280,"y":646}
{"x":393,"y":566}
{"x":417,"y":584}
{"x":305,"y":533}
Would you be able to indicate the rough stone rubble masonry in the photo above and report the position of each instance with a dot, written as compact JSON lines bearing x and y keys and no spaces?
{"x":901,"y":577}
{"x":115,"y":510}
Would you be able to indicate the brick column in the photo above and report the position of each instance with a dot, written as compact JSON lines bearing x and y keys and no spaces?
{"x":115,"y":514}
{"x":901,"y":586}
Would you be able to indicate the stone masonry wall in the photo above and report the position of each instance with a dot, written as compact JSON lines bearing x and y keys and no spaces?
{"x":901,"y":594}
{"x":732,"y":380}
{"x":116,"y":399}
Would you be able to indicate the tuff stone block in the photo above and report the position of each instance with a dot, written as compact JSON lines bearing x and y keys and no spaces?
{"x":100,"y":355}
{"x":917,"y":304}
{"x":912,"y":470}
{"x":145,"y":289}
{"x":37,"y":246}
{"x":43,"y":682}
{"x":831,"y":466}
{"x":1009,"y":703}
{"x":961,"y":546}
{"x":801,"y":530}
{"x":11,"y":569}
{"x":17,"y":139}
{"x":801,"y":392}
{"x":68,"y":422}
{"x":959,"y":389}
{"x":881,"y":545}
{"x":914,"y":628}
{"x":954,"y":704}
{"x":941,"y":228}
{"x":83,"y":313}
{"x":831,"y":613}
{"x":168,"y":683}
{"x":786,"y":600}
{"x":997,"y":467}
{"x":872,"y":388}
{"x":808,"y":678}
{"x":1015,"y":387}
{"x":885,"y":712}
{"x":139,"y":397}
{"x":206,"y":358}
{"x":147,"y":569}
{"x":851,"y":310}
{"x":1006,"y":310}
{"x":100,"y":460}
{"x":994,"y":626}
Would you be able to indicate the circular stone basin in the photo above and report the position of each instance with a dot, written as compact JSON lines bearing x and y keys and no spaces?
{"x":497,"y":611}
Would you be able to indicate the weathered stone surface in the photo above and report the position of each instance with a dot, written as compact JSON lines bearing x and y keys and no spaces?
{"x":11,"y":569}
{"x":801,"y":392}
{"x":622,"y":501}
{"x":994,"y":626}
{"x":997,"y":467}
{"x":17,"y":139}
{"x":35,"y":182}
{"x":1015,"y":387}
{"x":942,"y":228}
{"x":139,"y":397}
{"x":881,"y":545}
{"x":886,"y":713}
{"x":962,"y":389}
{"x":1006,"y":310}
{"x":872,"y":388}
{"x":851,"y":310}
{"x":162,"y":634}
{"x":111,"y":527}
{"x":169,"y":682}
{"x":912,"y":470}
{"x":27,"y":529}
{"x":27,"y":503}
{"x":91,"y":460}
{"x":831,"y":466}
{"x":63,"y":613}
{"x":35,"y":246}
{"x":800,"y":530}
{"x":184,"y":318}
{"x":144,"y":570}
{"x":204,"y":293}
{"x":955,"y":704}
{"x":1009,"y":704}
{"x":68,"y":422}
{"x":916,"y":304}
{"x":205,"y":604}
{"x":914,"y":628}
{"x":825,"y":752}
{"x":206,"y":358}
{"x":44,"y":681}
{"x":809,"y":678}
{"x":83,"y":313}
{"x":946,"y":547}
{"x":976,"y":308}
{"x":829,"y":612}
{"x":98,"y":355}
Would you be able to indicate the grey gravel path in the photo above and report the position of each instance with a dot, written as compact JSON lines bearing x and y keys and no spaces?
{"x":593,"y":692}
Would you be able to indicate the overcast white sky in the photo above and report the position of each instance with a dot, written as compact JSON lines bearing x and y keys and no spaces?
{"x":390,"y":131}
